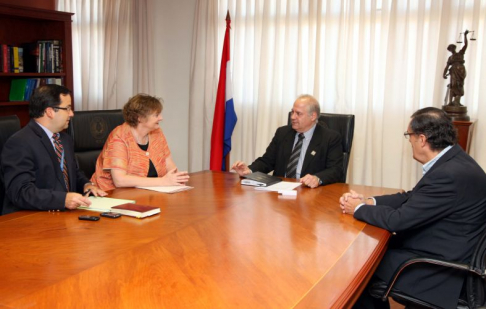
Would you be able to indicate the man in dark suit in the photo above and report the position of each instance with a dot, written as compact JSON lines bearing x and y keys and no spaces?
{"x":442,"y":217}
{"x":306,"y":150}
{"x":38,"y":163}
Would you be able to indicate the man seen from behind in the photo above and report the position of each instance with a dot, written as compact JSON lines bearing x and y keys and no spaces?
{"x":442,"y":217}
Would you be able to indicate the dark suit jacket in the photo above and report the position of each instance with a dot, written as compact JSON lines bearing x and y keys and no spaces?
{"x":32,"y":175}
{"x":442,"y":217}
{"x":324,"y":156}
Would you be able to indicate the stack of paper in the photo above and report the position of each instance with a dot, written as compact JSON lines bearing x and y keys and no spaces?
{"x":281,"y":186}
{"x":103,"y":204}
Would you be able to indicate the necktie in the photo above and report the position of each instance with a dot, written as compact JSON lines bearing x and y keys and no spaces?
{"x":294,"y":158}
{"x":60,"y":158}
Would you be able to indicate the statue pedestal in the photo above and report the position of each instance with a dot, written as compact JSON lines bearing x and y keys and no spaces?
{"x":456,"y":112}
{"x":464,"y":133}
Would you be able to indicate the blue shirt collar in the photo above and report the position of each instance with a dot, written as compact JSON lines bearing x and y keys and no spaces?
{"x":309,"y":133}
{"x":48,"y":132}
{"x":427,"y":166}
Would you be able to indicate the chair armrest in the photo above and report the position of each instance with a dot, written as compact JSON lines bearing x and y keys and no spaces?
{"x":459,"y":266}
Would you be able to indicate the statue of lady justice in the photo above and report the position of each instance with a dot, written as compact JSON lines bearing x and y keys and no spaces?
{"x":457,"y":72}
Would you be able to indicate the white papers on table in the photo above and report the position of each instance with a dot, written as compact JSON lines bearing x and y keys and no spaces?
{"x":280,"y":186}
{"x":103,"y":204}
{"x":167,"y":189}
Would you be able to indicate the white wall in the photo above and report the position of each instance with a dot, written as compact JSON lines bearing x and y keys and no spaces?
{"x":174,"y":21}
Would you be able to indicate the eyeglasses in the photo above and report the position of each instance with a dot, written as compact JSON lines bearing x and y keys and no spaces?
{"x":67,"y":109}
{"x":406,"y":134}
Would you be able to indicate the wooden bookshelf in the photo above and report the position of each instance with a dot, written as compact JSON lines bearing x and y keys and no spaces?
{"x":20,"y":25}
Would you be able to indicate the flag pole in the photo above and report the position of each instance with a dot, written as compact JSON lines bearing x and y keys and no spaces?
{"x":224,"y":119}
{"x":227,"y":158}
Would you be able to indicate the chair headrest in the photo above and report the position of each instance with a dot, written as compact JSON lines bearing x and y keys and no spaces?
{"x":342,"y":123}
{"x":8,"y":126}
{"x":90,"y":129}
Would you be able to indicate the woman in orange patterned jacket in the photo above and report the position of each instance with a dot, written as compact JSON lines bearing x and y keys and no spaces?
{"x":136,"y":153}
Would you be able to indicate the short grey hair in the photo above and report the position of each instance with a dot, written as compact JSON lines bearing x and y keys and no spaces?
{"x":312,"y":106}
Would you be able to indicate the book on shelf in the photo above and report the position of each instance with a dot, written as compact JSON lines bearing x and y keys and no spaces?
{"x":259,"y":179}
{"x":40,"y":64}
{"x":55,"y":55}
{"x":5,"y":56}
{"x":136,"y":210}
{"x":31,"y":85}
{"x":15,"y":53}
{"x":17,"y":89}
{"x":10,"y":59}
{"x":20,"y":52}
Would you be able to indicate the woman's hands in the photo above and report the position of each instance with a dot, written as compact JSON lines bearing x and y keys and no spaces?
{"x":175,"y":178}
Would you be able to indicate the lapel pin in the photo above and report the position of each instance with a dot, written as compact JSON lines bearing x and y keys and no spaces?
{"x":313,"y":153}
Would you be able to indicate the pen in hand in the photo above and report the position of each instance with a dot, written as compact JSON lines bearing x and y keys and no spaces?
{"x":87,"y":192}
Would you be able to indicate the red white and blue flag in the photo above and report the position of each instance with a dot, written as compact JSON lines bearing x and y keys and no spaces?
{"x":224,"y":120}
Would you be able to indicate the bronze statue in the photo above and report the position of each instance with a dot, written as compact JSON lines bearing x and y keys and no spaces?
{"x":457,"y":72}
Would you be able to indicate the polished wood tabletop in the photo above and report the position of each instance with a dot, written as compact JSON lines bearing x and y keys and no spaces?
{"x":219,"y":245}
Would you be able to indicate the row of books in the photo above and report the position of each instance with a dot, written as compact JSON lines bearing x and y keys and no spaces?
{"x":21,"y":89}
{"x":12,"y":59}
{"x":39,"y":57}
{"x":49,"y":56}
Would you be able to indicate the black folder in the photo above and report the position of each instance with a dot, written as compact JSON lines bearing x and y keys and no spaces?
{"x":259,"y":179}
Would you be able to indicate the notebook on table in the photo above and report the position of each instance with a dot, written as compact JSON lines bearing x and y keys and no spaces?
{"x":136,"y":210}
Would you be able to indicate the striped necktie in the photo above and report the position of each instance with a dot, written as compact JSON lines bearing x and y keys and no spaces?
{"x":294,"y":158}
{"x":60,"y":158}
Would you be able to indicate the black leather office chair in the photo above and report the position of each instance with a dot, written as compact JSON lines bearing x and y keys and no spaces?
{"x":474,"y":290}
{"x":90,"y":129}
{"x":344,"y":124}
{"x":8,"y":126}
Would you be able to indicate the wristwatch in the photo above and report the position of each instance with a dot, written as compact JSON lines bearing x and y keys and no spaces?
{"x":319,"y":181}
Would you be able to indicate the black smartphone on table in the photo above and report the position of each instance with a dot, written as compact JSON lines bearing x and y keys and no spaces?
{"x":112,"y":215}
{"x":89,"y":218}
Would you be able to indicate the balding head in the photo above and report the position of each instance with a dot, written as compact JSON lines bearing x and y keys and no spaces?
{"x":305,"y":113}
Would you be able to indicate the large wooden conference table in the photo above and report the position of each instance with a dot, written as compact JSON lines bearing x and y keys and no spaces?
{"x":219,"y":245}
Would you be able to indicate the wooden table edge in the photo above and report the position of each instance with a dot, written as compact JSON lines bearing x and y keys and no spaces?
{"x":350,"y":293}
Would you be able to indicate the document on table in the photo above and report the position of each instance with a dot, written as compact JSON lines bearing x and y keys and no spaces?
{"x":167,"y":189}
{"x":103,"y":204}
{"x":281,"y":186}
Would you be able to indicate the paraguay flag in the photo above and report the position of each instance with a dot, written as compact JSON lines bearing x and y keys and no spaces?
{"x":224,"y":120}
